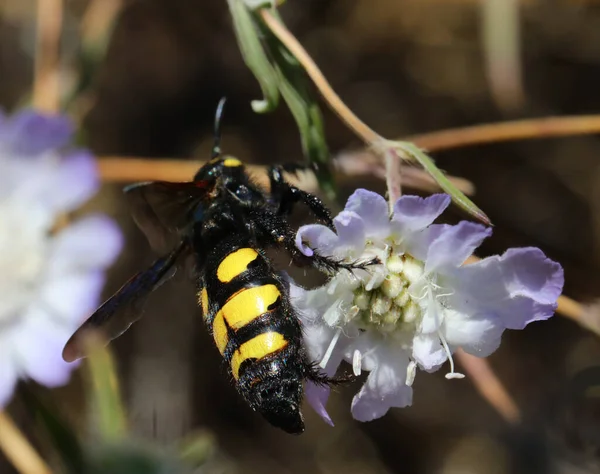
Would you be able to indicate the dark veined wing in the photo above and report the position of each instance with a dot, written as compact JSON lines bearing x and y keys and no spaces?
{"x":163,"y":210}
{"x":125,"y":307}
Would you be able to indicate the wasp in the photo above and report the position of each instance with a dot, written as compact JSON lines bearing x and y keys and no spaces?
{"x":225,"y":223}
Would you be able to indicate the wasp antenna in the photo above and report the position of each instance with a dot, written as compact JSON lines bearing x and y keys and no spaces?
{"x":216,"y":150}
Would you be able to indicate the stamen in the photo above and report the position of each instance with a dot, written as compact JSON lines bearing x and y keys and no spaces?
{"x":411,"y":372}
{"x":351,"y":314}
{"x":332,"y":344}
{"x":451,"y":374}
{"x":356,"y":362}
{"x":371,"y":283}
{"x":333,"y":314}
{"x":441,"y":295}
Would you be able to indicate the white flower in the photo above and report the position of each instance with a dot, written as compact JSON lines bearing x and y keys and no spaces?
{"x":420,"y":304}
{"x":49,"y":281}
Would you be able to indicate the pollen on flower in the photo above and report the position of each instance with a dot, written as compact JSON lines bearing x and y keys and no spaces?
{"x":387,"y":307}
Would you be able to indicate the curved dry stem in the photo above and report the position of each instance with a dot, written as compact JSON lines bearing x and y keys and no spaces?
{"x":331,"y":97}
{"x":444,"y":139}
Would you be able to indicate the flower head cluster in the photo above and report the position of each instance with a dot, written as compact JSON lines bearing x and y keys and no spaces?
{"x":50,"y":279}
{"x":420,"y":304}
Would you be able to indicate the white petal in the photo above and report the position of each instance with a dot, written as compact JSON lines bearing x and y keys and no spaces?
{"x":29,"y":132}
{"x":452,"y":247}
{"x":62,"y":184}
{"x":72,"y":297}
{"x":413,"y":213}
{"x":373,"y":209}
{"x":350,"y":229}
{"x":317,"y":237}
{"x":371,"y":347}
{"x":90,"y":243}
{"x":518,"y":287}
{"x":316,"y":396}
{"x":385,"y":388}
{"x":428,"y":352}
{"x":39,"y":343}
{"x":430,"y":307}
{"x":478,"y":335}
{"x":347,"y":241}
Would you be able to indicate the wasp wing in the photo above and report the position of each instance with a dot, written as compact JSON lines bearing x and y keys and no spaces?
{"x":125,"y":307}
{"x":164,"y":210}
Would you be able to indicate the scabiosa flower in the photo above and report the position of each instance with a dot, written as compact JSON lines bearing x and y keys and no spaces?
{"x":420,"y":304}
{"x":49,"y":279}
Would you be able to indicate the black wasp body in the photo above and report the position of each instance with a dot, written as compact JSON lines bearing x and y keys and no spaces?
{"x":245,"y":301}
{"x":225,"y":223}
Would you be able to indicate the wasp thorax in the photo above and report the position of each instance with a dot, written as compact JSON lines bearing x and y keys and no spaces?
{"x":390,"y":307}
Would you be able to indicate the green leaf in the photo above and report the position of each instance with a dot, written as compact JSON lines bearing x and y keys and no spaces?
{"x":254,"y":56}
{"x":129,"y":457}
{"x":297,"y":92}
{"x":197,"y":448}
{"x":103,"y":390}
{"x":410,"y":150}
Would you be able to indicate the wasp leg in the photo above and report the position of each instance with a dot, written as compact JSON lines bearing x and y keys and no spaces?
{"x":315,"y":374}
{"x":286,"y":195}
{"x":278,"y":232}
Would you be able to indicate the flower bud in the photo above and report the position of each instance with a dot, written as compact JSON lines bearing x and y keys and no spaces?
{"x":381,"y":304}
{"x":392,"y":286}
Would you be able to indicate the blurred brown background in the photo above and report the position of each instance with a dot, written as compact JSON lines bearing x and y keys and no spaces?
{"x":404,"y":66}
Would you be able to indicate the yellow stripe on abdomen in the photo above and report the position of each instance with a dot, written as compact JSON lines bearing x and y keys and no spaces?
{"x":235,"y":263}
{"x":219,"y":330}
{"x":257,"y":348}
{"x":204,"y":303}
{"x":248,"y":304}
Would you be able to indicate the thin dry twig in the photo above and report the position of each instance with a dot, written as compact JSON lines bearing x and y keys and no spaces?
{"x":528,"y":129}
{"x":364,"y":162}
{"x":17,"y":449}
{"x":129,"y":169}
{"x":46,"y":87}
{"x":489,"y":386}
{"x":125,"y":169}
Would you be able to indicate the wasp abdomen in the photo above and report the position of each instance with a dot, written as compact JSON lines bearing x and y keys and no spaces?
{"x":246,"y":307}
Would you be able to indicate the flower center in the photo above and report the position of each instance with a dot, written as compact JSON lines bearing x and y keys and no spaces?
{"x":390,"y":307}
{"x":23,"y":245}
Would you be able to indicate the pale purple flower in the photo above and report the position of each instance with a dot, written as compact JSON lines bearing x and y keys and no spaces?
{"x":420,"y":304}
{"x":49,"y":281}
